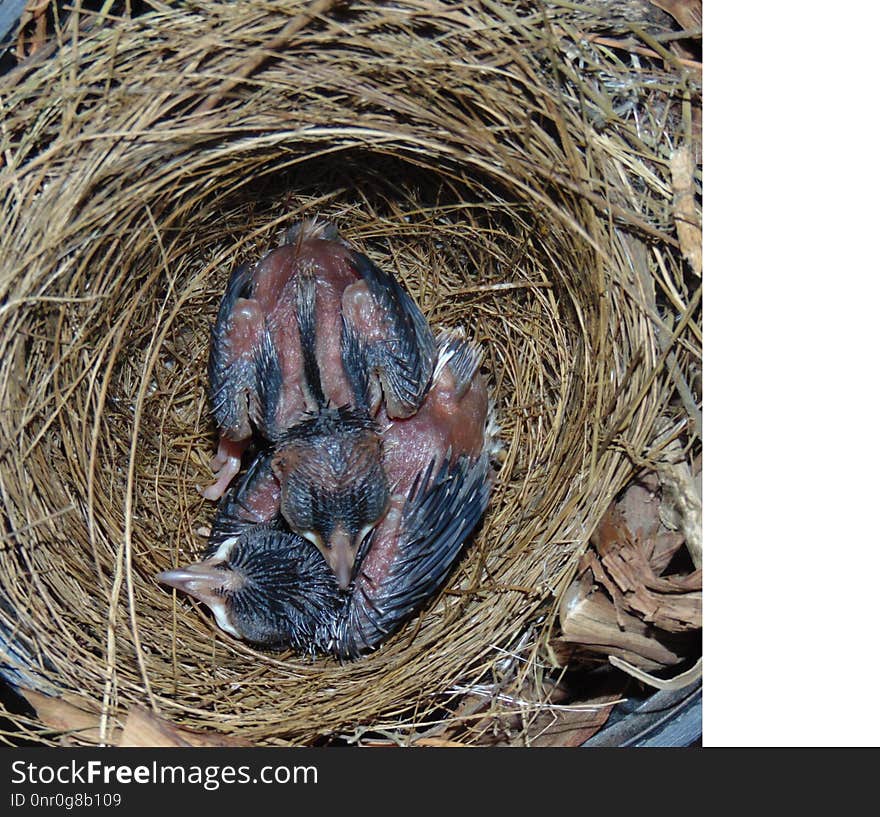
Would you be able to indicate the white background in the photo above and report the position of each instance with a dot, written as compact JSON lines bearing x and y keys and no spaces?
{"x":791,"y":230}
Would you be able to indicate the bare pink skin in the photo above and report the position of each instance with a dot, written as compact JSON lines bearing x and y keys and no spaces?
{"x":445,"y":425}
{"x":274,"y":290}
{"x":225,"y":465}
{"x":263,"y":501}
{"x":383,"y":549}
{"x":338,"y":290}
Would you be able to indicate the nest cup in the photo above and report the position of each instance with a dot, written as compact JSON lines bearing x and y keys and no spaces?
{"x":482,"y":157}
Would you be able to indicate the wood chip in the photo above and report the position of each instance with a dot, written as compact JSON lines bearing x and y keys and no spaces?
{"x":672,"y":603}
{"x":624,"y":602}
{"x":144,"y":728}
{"x":684,"y":208}
{"x":568,"y":726}
{"x":590,"y":618}
{"x":72,"y":715}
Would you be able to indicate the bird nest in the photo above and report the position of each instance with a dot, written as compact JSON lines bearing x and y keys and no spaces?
{"x":511,"y":164}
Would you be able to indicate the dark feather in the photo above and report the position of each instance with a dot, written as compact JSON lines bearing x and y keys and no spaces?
{"x":357,"y":369}
{"x":406,"y":360}
{"x":328,"y":423}
{"x":266,"y":395}
{"x":229,"y":379}
{"x":438,"y":517}
{"x":305,"y":299}
{"x":289,"y":596}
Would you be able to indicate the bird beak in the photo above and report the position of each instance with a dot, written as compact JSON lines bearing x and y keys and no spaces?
{"x":205,"y":583}
{"x":341,"y":564}
{"x":201,"y":580}
{"x":340,"y":553}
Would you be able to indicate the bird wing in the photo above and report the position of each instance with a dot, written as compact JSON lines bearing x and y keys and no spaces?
{"x":396,"y":577}
{"x":231,"y":368}
{"x":356,"y":364}
{"x":404,"y":359}
{"x":265,"y":403}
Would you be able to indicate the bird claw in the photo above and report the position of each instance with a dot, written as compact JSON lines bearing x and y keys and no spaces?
{"x":225,"y":465}
{"x":216,"y":490}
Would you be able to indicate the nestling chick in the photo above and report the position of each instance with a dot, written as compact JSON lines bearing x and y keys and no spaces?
{"x":333,"y":486}
{"x":304,"y":349}
{"x":438,"y":468}
{"x":438,"y":464}
{"x":295,"y":330}
{"x":267,"y":587}
{"x":263,"y":584}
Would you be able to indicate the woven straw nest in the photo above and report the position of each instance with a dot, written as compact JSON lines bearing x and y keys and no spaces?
{"x":510,"y":168}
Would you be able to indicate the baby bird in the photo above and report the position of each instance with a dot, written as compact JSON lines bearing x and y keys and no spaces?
{"x":438,"y":467}
{"x":312,"y":311}
{"x":272,"y":588}
{"x":333,"y":486}
{"x":265,"y":586}
{"x":305,"y":347}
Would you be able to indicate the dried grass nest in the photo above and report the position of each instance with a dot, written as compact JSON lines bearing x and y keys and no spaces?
{"x":510,"y":163}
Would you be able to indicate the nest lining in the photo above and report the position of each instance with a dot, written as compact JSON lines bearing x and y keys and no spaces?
{"x":455,"y":149}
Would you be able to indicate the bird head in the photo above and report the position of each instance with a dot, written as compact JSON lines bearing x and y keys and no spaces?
{"x":333,"y":487}
{"x":268,"y":587}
